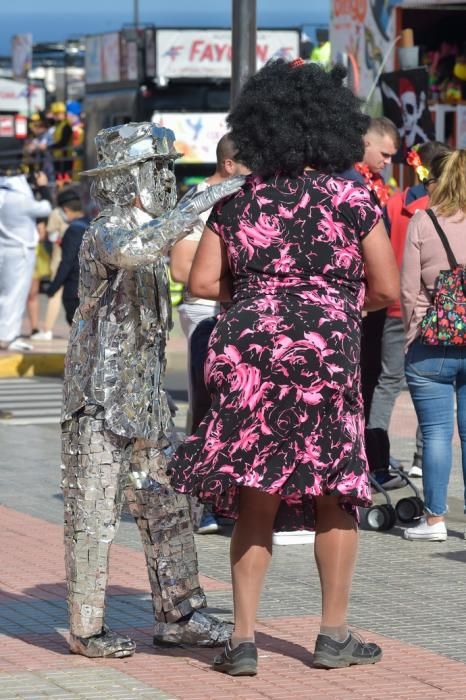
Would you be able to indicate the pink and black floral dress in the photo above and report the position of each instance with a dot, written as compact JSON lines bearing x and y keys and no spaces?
{"x":283,"y":360}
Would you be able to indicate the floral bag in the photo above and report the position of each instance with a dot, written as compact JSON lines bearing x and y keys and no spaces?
{"x":445,"y":320}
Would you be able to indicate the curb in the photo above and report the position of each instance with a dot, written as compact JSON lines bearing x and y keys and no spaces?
{"x":31,"y":364}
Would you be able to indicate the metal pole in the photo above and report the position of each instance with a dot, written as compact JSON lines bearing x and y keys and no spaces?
{"x":243,"y":44}
{"x":136,"y":13}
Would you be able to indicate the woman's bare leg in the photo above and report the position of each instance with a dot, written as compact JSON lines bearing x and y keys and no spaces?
{"x":33,"y":305}
{"x":250,"y":554}
{"x":335,"y":551}
{"x":53,"y":309}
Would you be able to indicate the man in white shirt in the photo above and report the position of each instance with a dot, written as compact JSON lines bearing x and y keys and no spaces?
{"x":18,"y":239}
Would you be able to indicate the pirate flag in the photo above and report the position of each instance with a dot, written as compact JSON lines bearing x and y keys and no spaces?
{"x":404,"y":96}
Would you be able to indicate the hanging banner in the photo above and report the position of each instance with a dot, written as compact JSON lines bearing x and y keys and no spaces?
{"x":21,"y":54}
{"x":404,"y":96}
{"x":360,"y":35}
{"x":103,"y":58}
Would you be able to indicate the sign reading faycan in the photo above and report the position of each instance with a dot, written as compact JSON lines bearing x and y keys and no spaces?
{"x":190,"y":53}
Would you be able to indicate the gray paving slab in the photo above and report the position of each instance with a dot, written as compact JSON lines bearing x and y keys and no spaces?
{"x":411,"y":591}
{"x":82,"y":684}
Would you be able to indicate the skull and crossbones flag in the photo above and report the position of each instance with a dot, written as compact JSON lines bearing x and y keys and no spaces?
{"x":404,"y":96}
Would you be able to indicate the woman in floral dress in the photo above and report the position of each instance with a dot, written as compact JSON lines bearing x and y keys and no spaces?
{"x":300,"y":252}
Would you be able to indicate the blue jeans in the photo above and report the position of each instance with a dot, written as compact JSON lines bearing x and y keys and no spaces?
{"x":434,"y":374}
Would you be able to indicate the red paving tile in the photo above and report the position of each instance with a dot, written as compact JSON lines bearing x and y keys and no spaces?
{"x":26,"y":574}
{"x":32,"y":568}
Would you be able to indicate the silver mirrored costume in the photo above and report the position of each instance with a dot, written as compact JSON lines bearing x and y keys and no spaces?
{"x":117,"y":429}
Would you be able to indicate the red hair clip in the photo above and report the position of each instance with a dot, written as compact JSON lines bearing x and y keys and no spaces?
{"x":296,"y":62}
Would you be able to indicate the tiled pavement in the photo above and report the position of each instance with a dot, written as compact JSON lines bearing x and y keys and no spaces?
{"x":407,"y":596}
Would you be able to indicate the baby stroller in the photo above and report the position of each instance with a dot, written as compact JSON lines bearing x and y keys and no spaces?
{"x":384,"y":516}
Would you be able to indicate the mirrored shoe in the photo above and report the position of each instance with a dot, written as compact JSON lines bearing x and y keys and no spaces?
{"x":201,"y":630}
{"x":106,"y":644}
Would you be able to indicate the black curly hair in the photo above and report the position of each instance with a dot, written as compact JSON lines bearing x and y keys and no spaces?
{"x":289,"y":117}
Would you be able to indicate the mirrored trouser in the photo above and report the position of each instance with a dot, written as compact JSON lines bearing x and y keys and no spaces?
{"x":100,"y":469}
{"x":434,"y":375}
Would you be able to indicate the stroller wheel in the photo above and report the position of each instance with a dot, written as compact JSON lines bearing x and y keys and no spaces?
{"x":408,"y":509}
{"x":380,"y":517}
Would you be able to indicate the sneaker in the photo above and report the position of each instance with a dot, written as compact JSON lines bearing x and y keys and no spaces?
{"x":389,"y":481}
{"x":20,"y":345}
{"x":424,"y":531}
{"x":208,"y":525}
{"x":297,"y":537}
{"x":42,"y":335}
{"x":328,"y":653}
{"x":415,"y":471}
{"x":240,"y":661}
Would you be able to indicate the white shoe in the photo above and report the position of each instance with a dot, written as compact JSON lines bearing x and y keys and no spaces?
{"x":42,"y":335}
{"x":20,"y":345}
{"x":424,"y":531}
{"x":415,"y":471}
{"x":297,"y":537}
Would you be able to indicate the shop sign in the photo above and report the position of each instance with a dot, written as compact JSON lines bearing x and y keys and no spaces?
{"x":14,"y":97}
{"x":190,"y":53}
{"x":7,"y":126}
{"x":197,"y":134}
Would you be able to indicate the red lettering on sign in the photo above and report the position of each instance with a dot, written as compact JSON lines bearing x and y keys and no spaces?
{"x":357,"y":9}
{"x":195,"y":48}
{"x":207,"y":54}
{"x":221,"y":50}
{"x":262,"y":52}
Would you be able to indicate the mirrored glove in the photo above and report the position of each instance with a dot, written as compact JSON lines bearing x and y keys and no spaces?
{"x":206,"y":199}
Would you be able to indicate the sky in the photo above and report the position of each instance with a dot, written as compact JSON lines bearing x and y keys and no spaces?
{"x":56,"y":20}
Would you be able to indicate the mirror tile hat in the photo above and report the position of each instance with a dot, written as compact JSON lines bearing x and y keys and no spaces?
{"x":125,"y":145}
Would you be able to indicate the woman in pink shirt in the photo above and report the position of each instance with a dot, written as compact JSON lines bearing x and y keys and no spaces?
{"x":435,"y":372}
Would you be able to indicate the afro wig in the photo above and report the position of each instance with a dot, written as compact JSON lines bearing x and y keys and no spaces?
{"x":288,"y":117}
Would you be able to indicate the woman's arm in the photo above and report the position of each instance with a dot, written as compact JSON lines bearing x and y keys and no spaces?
{"x":210,"y":273}
{"x":410,"y":273}
{"x":181,"y":259}
{"x":383,"y":277}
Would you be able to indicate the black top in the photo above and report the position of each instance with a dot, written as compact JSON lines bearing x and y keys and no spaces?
{"x":68,"y":271}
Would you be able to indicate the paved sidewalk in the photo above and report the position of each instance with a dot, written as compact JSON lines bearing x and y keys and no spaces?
{"x":407,"y":596}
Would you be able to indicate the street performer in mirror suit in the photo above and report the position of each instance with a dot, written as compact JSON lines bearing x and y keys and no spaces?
{"x":117,"y":430}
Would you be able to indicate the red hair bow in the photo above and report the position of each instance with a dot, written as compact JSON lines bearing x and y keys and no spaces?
{"x":296,"y":63}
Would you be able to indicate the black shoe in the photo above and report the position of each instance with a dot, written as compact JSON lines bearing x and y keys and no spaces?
{"x":240,"y":661}
{"x":329,"y":653}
